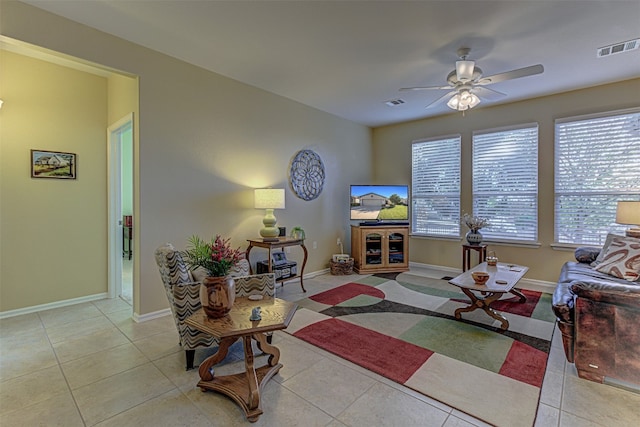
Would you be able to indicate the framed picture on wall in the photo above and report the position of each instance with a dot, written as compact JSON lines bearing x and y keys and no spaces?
{"x":53,"y":164}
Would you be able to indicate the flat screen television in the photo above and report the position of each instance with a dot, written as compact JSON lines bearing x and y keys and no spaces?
{"x":380,"y":203}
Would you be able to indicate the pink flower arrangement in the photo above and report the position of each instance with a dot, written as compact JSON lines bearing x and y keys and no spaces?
{"x":217,"y":256}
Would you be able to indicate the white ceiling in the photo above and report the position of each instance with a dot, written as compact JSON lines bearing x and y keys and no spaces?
{"x":349,"y":57}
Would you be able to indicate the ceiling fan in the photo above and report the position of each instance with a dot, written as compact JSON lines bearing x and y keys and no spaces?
{"x":467,"y":85}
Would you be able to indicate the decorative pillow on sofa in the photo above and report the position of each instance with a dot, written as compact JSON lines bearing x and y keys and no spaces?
{"x":607,"y":243}
{"x":587,"y":254}
{"x":622,"y":259}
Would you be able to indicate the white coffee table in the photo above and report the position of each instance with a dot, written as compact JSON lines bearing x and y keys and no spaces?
{"x":502,"y":279}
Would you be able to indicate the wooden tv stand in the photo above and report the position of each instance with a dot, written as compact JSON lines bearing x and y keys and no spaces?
{"x":380,"y":248}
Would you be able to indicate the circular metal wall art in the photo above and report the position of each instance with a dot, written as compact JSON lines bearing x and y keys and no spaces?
{"x":307,"y":175}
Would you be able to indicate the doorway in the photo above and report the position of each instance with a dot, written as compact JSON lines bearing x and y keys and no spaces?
{"x":120,"y":138}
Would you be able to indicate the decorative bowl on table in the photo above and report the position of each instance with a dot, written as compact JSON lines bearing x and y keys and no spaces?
{"x":480,"y":277}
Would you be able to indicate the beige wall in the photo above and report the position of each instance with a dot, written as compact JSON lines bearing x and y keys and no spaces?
{"x":392,"y":145}
{"x":204,"y":142}
{"x":49,"y":226}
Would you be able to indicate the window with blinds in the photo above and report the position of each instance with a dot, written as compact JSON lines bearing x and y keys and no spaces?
{"x":597,"y":163}
{"x":435,"y":187}
{"x":505,"y":182}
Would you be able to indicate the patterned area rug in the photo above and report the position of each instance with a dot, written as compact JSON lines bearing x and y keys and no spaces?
{"x":402,"y":327}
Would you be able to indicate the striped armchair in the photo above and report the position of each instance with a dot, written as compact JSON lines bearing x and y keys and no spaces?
{"x":183,"y":293}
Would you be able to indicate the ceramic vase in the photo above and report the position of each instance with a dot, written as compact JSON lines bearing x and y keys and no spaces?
{"x":217,"y":295}
{"x":474,"y":237}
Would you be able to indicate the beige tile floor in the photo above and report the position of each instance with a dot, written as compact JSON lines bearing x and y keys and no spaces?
{"x":91,"y":364}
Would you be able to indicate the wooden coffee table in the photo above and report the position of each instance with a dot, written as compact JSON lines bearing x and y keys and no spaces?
{"x":502,"y":279}
{"x":244,"y":387}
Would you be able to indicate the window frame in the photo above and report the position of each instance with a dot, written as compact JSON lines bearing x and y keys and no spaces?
{"x":590,"y":237}
{"x":451,"y":217}
{"x":520,"y":174}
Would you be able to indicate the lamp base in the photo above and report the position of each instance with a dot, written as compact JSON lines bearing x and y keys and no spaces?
{"x":269,"y":231}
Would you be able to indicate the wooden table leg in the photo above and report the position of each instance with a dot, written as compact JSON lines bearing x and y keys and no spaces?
{"x":272,"y":351}
{"x":519,"y":294}
{"x":246,"y":255}
{"x":466,"y":259}
{"x":205,"y":370}
{"x":244,"y":388}
{"x":485,"y":305}
{"x":253,"y":401}
{"x":304,"y":262}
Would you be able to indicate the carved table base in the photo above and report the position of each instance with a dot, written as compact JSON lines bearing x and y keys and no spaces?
{"x":485,"y":304}
{"x":244,"y":388}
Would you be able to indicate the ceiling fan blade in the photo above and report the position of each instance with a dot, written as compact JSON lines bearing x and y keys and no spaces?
{"x":442,"y":98}
{"x":513,"y":74}
{"x":404,"y":89}
{"x":488,"y":93}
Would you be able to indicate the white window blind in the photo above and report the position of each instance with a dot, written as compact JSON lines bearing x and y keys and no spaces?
{"x":505,"y":182}
{"x":435,"y":187}
{"x":597,"y":163}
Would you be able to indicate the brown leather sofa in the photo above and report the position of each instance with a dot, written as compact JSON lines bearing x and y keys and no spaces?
{"x":599,"y":318}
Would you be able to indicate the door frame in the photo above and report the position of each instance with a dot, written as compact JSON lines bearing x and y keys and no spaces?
{"x":114,"y":196}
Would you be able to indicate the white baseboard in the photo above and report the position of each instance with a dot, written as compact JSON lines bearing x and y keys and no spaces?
{"x":150,"y":316}
{"x":49,"y":306}
{"x":454,"y":271}
{"x":538,"y":285}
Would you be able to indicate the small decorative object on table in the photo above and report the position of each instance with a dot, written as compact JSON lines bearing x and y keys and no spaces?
{"x":492,"y":259}
{"x":298,"y":233}
{"x":480,"y":277}
{"x":474,"y":223}
{"x":217,"y":292}
{"x":255,"y":314}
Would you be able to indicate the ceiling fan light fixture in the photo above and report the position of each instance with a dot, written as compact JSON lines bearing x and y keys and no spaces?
{"x":464,"y":70}
{"x":463,"y":100}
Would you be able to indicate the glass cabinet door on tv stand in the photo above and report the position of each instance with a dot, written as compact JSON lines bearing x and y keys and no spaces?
{"x":378,"y":249}
{"x":373,"y":249}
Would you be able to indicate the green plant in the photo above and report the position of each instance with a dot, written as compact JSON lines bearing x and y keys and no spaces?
{"x":216,"y":257}
{"x":298,"y":233}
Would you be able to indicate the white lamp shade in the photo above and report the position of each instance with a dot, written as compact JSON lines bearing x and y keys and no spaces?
{"x":628,"y":212}
{"x":269,"y":198}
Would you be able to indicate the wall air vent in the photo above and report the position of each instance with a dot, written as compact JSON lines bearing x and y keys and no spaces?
{"x":394,"y":102}
{"x":618,"y":48}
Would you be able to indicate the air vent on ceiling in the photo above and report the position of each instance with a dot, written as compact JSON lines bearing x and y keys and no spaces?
{"x":618,"y":48}
{"x":394,"y":102}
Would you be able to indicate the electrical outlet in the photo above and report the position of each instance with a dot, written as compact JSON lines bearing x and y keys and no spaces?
{"x":338,"y":242}
{"x":315,"y":245}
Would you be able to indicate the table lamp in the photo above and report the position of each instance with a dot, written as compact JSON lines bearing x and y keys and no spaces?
{"x":269,"y":199}
{"x":628,"y":212}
